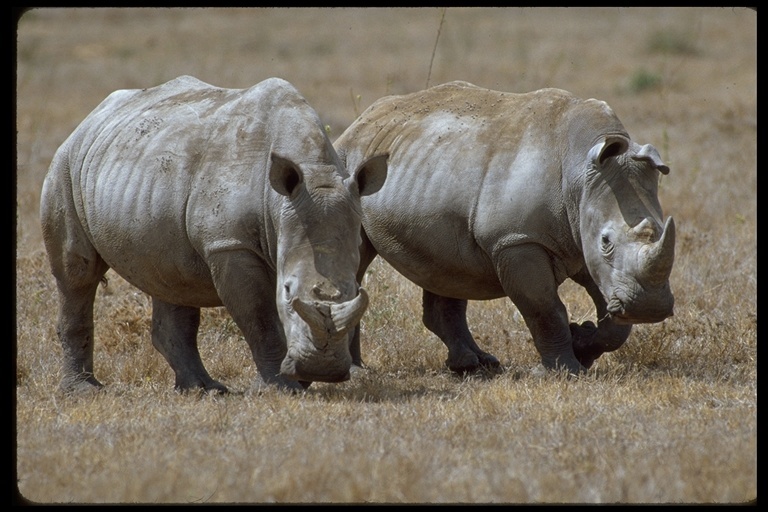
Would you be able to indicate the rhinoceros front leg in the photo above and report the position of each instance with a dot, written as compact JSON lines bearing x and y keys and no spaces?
{"x":246,"y":287}
{"x":528,"y":279}
{"x":447,"y":318}
{"x":590,"y":341}
{"x":174,"y":335}
{"x":367,"y":255}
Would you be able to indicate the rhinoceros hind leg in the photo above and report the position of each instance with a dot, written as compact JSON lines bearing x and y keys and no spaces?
{"x":174,"y":335}
{"x":75,"y":331}
{"x":447,"y":319}
{"x":77,"y":278}
{"x":78,"y":268}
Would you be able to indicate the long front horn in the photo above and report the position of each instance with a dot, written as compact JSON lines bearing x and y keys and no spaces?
{"x":348,"y":314}
{"x":312,"y":314}
{"x":658,"y":260}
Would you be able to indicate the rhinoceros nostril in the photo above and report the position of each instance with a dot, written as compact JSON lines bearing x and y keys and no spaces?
{"x":647,"y":230}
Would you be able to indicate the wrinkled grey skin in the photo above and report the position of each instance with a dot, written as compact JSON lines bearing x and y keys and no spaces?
{"x":202,"y":197}
{"x":492,"y":194}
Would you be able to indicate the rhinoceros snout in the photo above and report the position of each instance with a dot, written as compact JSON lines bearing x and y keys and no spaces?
{"x":318,"y":348}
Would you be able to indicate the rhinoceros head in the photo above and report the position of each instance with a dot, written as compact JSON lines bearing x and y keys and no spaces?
{"x":628,"y":248}
{"x":318,"y":297}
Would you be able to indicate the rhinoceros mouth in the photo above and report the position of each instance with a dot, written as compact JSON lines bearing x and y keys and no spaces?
{"x":318,"y":366}
{"x":620,"y":319}
{"x":291,"y":370}
{"x":616,"y":308}
{"x":620,"y":314}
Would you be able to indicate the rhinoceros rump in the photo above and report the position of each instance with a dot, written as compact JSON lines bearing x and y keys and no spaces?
{"x":493,"y":194}
{"x":201,"y":197}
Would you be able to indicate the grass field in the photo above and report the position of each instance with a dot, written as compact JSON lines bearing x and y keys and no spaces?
{"x":671,"y":417}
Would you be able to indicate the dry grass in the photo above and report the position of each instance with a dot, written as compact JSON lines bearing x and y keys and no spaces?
{"x":671,"y":417}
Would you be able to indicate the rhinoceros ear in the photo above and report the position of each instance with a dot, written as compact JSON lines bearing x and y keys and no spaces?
{"x":371,"y":174}
{"x":610,"y":146}
{"x":284,"y":175}
{"x":651,"y":154}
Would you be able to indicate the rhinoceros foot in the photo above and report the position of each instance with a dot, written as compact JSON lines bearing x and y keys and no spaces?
{"x":207,"y":385}
{"x":357,"y":370}
{"x":473,"y":362}
{"x":585,"y":344}
{"x":80,"y":384}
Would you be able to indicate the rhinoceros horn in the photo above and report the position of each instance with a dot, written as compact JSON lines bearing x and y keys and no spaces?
{"x":656,"y":265}
{"x":349,"y":313}
{"x":325,"y":318}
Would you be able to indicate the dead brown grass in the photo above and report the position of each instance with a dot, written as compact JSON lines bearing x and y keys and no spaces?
{"x":671,"y":417}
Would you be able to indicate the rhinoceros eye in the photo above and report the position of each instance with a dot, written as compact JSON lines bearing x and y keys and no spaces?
{"x":606,"y":245}
{"x":287,"y":292}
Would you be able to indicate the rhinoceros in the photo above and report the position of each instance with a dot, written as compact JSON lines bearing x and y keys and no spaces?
{"x":492,"y":194}
{"x":203,"y":196}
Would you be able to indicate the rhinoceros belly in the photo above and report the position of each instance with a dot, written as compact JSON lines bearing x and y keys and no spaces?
{"x":162,"y":270}
{"x":161,"y":264}
{"x":432,"y":247}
